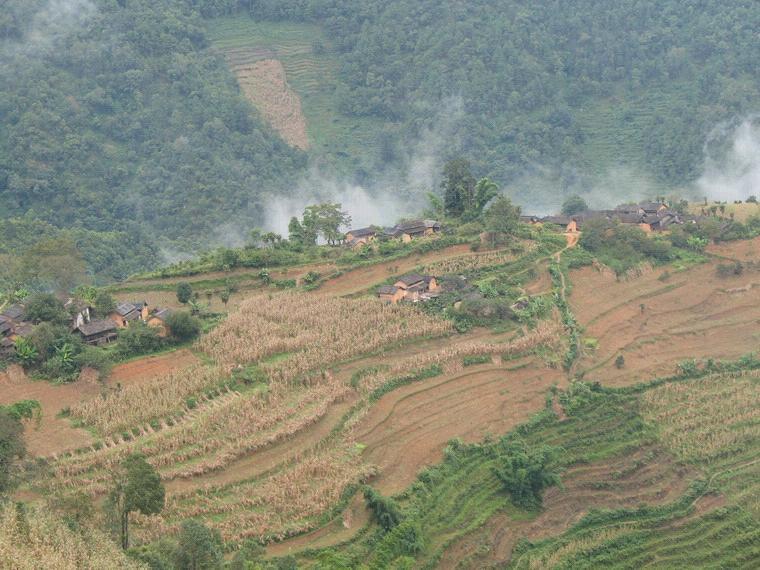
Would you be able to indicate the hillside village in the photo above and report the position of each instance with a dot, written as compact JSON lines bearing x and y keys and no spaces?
{"x":247,"y":358}
{"x":83,"y":321}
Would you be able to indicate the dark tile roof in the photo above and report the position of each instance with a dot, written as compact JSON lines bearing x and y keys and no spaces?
{"x":23,"y":329}
{"x":558,"y":220}
{"x":649,"y":207}
{"x":97,"y":326}
{"x":161,"y":314}
{"x":362,"y":232}
{"x":411,"y":279}
{"x":125,"y":308}
{"x":5,"y":327}
{"x":386,"y":290}
{"x":14,"y":312}
{"x":629,"y":218}
{"x":5,"y":342}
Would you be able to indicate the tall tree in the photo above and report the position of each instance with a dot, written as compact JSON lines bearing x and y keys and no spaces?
{"x":574,"y":205}
{"x":137,"y":488}
{"x":501,"y":218}
{"x":200,"y":548}
{"x":485,"y":191}
{"x":325,"y":220}
{"x":458,"y":187}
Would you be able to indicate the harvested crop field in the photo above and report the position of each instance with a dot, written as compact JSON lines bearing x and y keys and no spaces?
{"x":264,"y":84}
{"x":690,"y":314}
{"x":408,"y":428}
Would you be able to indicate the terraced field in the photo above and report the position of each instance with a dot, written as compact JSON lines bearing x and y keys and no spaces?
{"x":666,"y":316}
{"x":303,"y":51}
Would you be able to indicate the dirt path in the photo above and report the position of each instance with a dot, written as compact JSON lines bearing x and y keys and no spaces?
{"x":53,"y":434}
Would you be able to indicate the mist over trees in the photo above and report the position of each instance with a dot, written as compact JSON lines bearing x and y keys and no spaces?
{"x":123,"y":132}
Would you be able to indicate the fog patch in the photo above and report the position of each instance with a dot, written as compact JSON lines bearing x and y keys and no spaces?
{"x":399,"y":192}
{"x":732,"y":161}
{"x":56,"y":20}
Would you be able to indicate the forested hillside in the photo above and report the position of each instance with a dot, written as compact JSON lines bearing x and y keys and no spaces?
{"x":120,"y":116}
{"x":115,"y":117}
{"x":576,"y":85}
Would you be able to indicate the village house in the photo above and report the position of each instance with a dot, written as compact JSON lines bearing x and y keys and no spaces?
{"x":14,"y":313}
{"x":360,"y":237}
{"x":98,"y":332}
{"x":125,"y":313}
{"x":390,"y":294}
{"x":566,"y":223}
{"x":412,"y":287}
{"x":407,"y":231}
{"x":157,"y":319}
{"x":81,"y":312}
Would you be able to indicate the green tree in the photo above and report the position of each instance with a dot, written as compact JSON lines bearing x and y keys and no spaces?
{"x":574,"y":205}
{"x":524,"y":471}
{"x":26,"y":352}
{"x":199,"y":548}
{"x":104,"y":304}
{"x":183,"y":326}
{"x":139,"y":338}
{"x":502,"y":218}
{"x":325,"y":220}
{"x":224,"y":296}
{"x":11,"y":448}
{"x":45,"y":307}
{"x":620,"y":362}
{"x":458,"y":186}
{"x":137,"y":488}
{"x":485,"y":191}
{"x":296,"y":231}
{"x":184,"y":292}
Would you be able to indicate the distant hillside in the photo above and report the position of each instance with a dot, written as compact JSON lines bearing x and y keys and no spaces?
{"x":117,"y":116}
{"x":565,"y":89}
{"x":127,"y":116}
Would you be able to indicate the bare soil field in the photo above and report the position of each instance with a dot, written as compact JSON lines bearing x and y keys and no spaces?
{"x":53,"y":434}
{"x":409,"y":427}
{"x":745,"y":250}
{"x":598,"y":485}
{"x":144,"y":369}
{"x":692,"y":314}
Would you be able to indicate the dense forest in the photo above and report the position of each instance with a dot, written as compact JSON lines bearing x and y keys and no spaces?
{"x":117,"y":116}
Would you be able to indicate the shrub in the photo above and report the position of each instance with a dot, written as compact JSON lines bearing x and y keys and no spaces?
{"x":183,"y":326}
{"x":525,"y":472}
{"x":384,"y":509}
{"x":139,"y":338}
{"x":620,"y":362}
{"x":184,"y":292}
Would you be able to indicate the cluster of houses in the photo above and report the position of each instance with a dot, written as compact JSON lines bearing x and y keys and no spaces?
{"x":648,"y":216}
{"x":95,"y":330}
{"x":406,"y":232}
{"x":410,"y":288}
